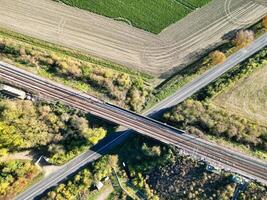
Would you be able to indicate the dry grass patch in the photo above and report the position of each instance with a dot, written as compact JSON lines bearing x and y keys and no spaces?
{"x":247,"y":98}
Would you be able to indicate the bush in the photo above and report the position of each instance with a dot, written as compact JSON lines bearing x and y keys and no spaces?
{"x":243,"y":70}
{"x":2,"y":45}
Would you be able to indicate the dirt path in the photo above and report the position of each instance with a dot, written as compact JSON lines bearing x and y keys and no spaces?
{"x":25,"y":155}
{"x":105,"y":193}
{"x":117,"y":41}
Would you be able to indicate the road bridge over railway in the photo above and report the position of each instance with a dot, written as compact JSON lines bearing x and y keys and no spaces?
{"x":48,"y":90}
{"x":230,"y":160}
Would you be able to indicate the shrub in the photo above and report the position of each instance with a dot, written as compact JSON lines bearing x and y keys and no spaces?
{"x":22,"y":51}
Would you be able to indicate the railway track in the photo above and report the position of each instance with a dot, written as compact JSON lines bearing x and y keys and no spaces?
{"x":233,"y":161}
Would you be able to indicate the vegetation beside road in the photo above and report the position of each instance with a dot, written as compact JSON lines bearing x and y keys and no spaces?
{"x":201,"y":117}
{"x":215,"y":56}
{"x":15,"y":176}
{"x":57,"y":132}
{"x":159,"y":171}
{"x":254,"y":191}
{"x":128,"y":90}
{"x":150,"y":15}
{"x":155,"y":171}
{"x":83,"y":184}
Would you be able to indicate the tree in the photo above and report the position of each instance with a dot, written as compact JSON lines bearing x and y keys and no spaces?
{"x":243,"y":38}
{"x":79,"y":123}
{"x":123,"y":80}
{"x":264,"y":22}
{"x":101,"y":168}
{"x":136,"y":99}
{"x":217,"y":57}
{"x":94,"y":135}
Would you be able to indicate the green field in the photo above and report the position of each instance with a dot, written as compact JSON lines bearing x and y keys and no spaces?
{"x":150,"y":15}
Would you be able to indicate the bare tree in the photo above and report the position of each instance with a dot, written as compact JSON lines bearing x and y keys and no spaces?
{"x":243,"y":38}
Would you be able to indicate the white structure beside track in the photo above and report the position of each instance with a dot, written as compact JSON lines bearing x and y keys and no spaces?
{"x":12,"y":91}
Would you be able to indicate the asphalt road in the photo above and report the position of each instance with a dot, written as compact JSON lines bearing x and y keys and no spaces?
{"x":207,"y":77}
{"x":176,"y":46}
{"x":225,"y":158}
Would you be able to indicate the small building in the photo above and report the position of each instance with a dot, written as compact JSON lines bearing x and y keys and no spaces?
{"x":99,"y":185}
{"x":13,"y":92}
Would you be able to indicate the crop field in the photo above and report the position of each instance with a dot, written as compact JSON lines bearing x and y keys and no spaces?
{"x":248,"y":97}
{"x":150,"y":15}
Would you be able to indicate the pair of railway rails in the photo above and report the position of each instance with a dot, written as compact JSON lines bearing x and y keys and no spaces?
{"x":47,"y":90}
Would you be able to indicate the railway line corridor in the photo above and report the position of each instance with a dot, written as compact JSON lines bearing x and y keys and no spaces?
{"x":247,"y":166}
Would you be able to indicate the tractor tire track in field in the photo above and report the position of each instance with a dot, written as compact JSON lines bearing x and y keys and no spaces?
{"x":176,"y":46}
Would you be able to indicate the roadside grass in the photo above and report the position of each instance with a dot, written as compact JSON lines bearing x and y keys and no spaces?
{"x":38,"y":178}
{"x":248,"y":97}
{"x":150,"y":15}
